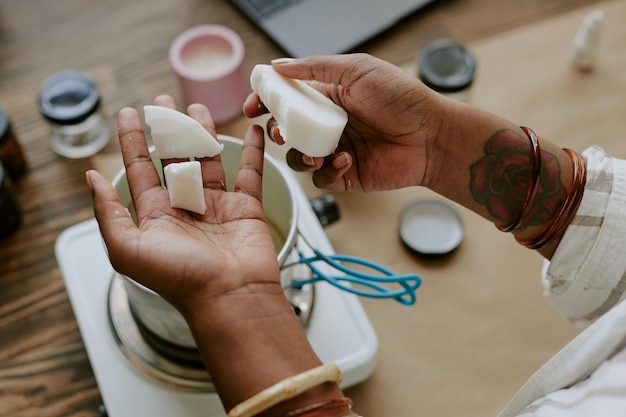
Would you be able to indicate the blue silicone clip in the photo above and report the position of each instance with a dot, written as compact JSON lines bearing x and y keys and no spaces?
{"x":378,"y":284}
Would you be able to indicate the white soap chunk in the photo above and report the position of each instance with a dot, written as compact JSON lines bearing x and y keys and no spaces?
{"x":308,"y":121}
{"x":184,"y":184}
{"x":176,"y":135}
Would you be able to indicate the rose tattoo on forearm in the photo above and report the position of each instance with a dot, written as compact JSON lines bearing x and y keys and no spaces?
{"x":501,"y":178}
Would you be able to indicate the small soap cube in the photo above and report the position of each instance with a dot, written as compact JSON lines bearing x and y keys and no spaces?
{"x":184,"y":184}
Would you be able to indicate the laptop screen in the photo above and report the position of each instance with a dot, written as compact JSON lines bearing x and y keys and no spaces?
{"x":310,"y":27}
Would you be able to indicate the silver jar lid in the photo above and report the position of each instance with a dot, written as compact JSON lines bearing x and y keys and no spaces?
{"x":430,"y":227}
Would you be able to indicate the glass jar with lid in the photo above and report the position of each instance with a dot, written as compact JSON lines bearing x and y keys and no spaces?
{"x":70,"y":102}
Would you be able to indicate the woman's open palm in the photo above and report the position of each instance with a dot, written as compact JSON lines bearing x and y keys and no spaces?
{"x":180,"y":254}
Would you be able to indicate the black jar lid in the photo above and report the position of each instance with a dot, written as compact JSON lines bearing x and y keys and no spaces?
{"x":446,"y":66}
{"x":68,"y":97}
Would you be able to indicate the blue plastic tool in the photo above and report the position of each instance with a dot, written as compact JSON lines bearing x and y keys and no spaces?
{"x":373,"y":285}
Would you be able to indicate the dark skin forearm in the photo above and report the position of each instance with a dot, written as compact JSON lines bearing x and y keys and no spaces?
{"x":257,"y":342}
{"x":485,"y":166}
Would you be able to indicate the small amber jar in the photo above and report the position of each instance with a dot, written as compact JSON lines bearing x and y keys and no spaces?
{"x":10,"y":211}
{"x":11,"y":153}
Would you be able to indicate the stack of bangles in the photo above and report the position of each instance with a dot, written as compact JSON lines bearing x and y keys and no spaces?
{"x":292,"y":387}
{"x":570,"y":205}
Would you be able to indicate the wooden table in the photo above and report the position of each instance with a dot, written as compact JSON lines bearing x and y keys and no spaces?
{"x":44,"y":369}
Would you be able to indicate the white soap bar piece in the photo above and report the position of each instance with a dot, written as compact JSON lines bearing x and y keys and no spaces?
{"x":184,"y":184}
{"x":176,"y":135}
{"x":308,"y":120}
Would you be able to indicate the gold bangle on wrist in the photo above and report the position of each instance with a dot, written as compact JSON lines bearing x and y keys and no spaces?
{"x":286,"y":389}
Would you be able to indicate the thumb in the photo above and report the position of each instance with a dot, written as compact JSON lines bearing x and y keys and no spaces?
{"x":344,"y":69}
{"x":325,"y":69}
{"x":113,"y":218}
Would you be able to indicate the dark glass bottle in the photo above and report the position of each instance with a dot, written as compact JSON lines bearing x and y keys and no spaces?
{"x":10,"y":211}
{"x":11,"y":153}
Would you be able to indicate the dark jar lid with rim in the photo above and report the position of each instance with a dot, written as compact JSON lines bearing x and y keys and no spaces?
{"x":68,"y":98}
{"x":446,"y":66}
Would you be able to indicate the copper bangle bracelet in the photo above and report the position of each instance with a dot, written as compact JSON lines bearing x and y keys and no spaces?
{"x":532,"y":188}
{"x":567,"y":212}
{"x":341,"y":407}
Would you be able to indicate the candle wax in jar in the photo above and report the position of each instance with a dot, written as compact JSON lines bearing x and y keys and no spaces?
{"x":207,"y":59}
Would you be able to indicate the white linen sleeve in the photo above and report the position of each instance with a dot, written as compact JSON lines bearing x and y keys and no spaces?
{"x":586,"y":276}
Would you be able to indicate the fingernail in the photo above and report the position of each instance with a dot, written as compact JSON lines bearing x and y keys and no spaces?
{"x":308,"y":160}
{"x":271,"y":134}
{"x":88,"y":180}
{"x":340,"y":161}
{"x":281,"y":61}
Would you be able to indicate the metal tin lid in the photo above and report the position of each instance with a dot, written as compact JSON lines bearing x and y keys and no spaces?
{"x":68,"y":97}
{"x":446,"y":66}
{"x":430,"y":227}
